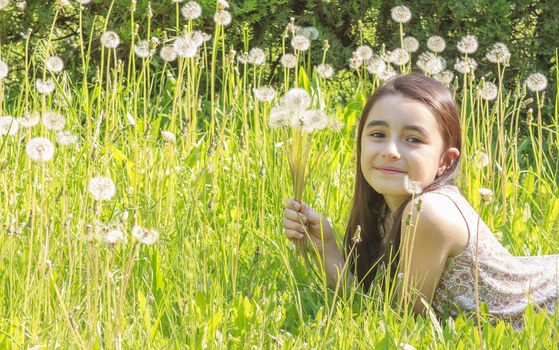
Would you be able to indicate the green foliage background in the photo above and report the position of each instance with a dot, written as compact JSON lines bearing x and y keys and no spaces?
{"x":528,"y":27}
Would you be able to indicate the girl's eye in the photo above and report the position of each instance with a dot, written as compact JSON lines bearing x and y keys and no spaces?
{"x":376,"y":134}
{"x":414,"y":139}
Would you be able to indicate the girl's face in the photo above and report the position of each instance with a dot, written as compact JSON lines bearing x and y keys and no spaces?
{"x":401,"y":138}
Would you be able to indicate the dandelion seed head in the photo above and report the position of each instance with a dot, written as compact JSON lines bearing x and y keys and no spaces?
{"x":168,"y":53}
{"x":191,"y":10}
{"x":429,"y":63}
{"x":310,"y":32}
{"x":265,"y":93}
{"x":168,"y":137}
{"x":536,"y":82}
{"x":206,"y":37}
{"x":387,"y":73}
{"x":54,"y":64}
{"x":54,"y":121}
{"x":300,"y":43}
{"x":8,"y":125}
{"x":198,"y":37}
{"x":436,"y":43}
{"x":410,"y":44}
{"x":144,"y":235}
{"x":256,"y":56}
{"x":3,"y":70}
{"x":102,"y":188}
{"x":185,"y":47}
{"x":66,"y":138}
{"x":289,"y":60}
{"x":376,"y":65}
{"x":40,"y":149}
{"x":83,"y":2}
{"x":29,"y":120}
{"x":46,"y":86}
{"x":399,"y":57}
{"x":467,"y":45}
{"x":355,"y":61}
{"x":364,"y":52}
{"x":325,"y":70}
{"x":498,"y":54}
{"x":486,"y":195}
{"x":130,"y":119}
{"x":4,"y":4}
{"x":445,"y":77}
{"x":297,"y":99}
{"x":488,"y":91}
{"x":114,"y":236}
{"x":110,"y":39}
{"x":400,"y":14}
{"x":222,"y":4}
{"x":465,"y":65}
{"x":243,"y":57}
{"x":481,"y":159}
{"x":279,"y":117}
{"x":412,"y":187}
{"x":222,"y":18}
{"x":314,"y":120}
{"x":143,"y":49}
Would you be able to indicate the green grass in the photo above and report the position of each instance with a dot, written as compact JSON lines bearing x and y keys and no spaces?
{"x":222,"y":274}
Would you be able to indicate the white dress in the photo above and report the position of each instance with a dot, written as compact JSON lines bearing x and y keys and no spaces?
{"x":507,"y":283}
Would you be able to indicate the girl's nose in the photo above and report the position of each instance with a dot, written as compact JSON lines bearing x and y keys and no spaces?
{"x":390,"y":150}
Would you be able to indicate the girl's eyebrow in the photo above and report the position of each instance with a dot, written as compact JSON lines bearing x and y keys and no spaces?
{"x":417,"y":128}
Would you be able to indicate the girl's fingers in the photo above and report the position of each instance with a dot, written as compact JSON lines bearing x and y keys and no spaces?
{"x":292,"y":204}
{"x":291,"y":234}
{"x":294,"y":216}
{"x":292,"y":225}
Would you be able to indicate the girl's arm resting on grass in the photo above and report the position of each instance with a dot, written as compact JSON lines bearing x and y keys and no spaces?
{"x":439,"y":233}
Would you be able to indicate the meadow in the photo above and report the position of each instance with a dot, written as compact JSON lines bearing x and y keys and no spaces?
{"x":141,"y":205}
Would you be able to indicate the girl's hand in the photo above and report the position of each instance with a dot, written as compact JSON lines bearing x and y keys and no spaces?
{"x":300,"y":221}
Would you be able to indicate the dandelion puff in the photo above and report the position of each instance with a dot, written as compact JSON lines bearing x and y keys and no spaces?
{"x":110,"y":39}
{"x":130,"y":119}
{"x":168,"y":137}
{"x":429,"y":63}
{"x":265,"y":93}
{"x":445,"y":77}
{"x":481,"y":159}
{"x":314,"y":120}
{"x":297,"y":99}
{"x":168,"y":53}
{"x":467,"y":45}
{"x":355,"y":61}
{"x":465,"y":65}
{"x":387,"y":73}
{"x":114,"y":236}
{"x":436,"y":43}
{"x":412,"y":187}
{"x":289,"y":60}
{"x":206,"y":37}
{"x":102,"y":188}
{"x":310,"y":32}
{"x":66,"y":138}
{"x":8,"y":125}
{"x":3,"y":70}
{"x":300,"y":43}
{"x":40,"y":149}
{"x":488,"y":91}
{"x":185,"y":47}
{"x":400,"y":57}
{"x":222,"y":18}
{"x":536,"y":82}
{"x":498,"y":54}
{"x":279,"y":117}
{"x":54,"y":64}
{"x":46,"y":86}
{"x":198,"y":37}
{"x":325,"y":70}
{"x":400,"y":14}
{"x":410,"y":44}
{"x":243,"y":58}
{"x":29,"y":120}
{"x":222,"y":4}
{"x":364,"y":52}
{"x":4,"y":4}
{"x":191,"y":10}
{"x":54,"y":121}
{"x":376,"y":65}
{"x":256,"y":56}
{"x":83,"y":2}
{"x":143,"y":49}
{"x":486,"y":195}
{"x":144,"y":235}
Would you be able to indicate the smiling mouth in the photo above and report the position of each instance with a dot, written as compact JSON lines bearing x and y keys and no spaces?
{"x":389,"y":171}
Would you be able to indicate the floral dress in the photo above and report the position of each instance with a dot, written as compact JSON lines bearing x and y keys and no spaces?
{"x":507,"y":283}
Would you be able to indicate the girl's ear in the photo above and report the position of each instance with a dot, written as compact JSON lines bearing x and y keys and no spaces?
{"x":447,"y":159}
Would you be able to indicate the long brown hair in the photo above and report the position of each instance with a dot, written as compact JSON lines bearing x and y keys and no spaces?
{"x":378,"y":246}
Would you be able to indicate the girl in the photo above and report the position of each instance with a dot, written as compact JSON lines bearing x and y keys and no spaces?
{"x":409,"y":132}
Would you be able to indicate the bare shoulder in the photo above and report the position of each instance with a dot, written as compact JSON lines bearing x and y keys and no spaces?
{"x":439,"y":219}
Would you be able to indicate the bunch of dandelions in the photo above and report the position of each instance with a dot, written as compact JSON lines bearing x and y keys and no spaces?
{"x":294,"y":114}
